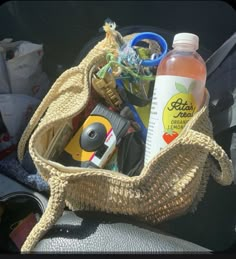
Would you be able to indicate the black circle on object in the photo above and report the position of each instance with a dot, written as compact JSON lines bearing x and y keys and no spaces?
{"x":93,"y":137}
{"x":92,"y":134}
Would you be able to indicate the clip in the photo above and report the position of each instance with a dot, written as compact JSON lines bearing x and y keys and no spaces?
{"x":151,"y":36}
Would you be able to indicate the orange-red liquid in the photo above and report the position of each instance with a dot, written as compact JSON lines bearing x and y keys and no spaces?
{"x":184,"y":64}
{"x":177,"y":64}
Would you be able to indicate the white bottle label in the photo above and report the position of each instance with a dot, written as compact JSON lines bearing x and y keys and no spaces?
{"x":175,"y":100}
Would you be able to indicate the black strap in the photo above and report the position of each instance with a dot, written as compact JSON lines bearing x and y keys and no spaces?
{"x":222,"y":118}
{"x":225,"y":119}
{"x":220,"y":54}
{"x":135,"y":100}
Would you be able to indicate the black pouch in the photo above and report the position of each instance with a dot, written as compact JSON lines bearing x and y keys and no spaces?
{"x":131,"y":154}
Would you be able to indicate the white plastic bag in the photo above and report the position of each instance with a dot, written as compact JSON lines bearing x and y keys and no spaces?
{"x":21,"y":70}
{"x":16,"y":111}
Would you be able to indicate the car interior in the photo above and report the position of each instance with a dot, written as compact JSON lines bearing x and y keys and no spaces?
{"x":68,"y":30}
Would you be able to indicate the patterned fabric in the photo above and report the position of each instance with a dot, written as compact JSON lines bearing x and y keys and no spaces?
{"x":24,"y":172}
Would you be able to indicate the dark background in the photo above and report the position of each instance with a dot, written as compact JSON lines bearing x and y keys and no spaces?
{"x":64,"y":27}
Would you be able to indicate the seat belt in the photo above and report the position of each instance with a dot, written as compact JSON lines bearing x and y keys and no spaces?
{"x":220,"y":54}
{"x":225,"y":118}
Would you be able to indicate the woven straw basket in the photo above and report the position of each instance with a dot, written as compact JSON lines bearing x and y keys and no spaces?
{"x":172,"y":183}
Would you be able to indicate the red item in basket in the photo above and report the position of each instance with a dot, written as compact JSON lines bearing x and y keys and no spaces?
{"x":22,"y":230}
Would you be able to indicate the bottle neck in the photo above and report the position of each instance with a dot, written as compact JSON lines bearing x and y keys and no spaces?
{"x":184,"y":47}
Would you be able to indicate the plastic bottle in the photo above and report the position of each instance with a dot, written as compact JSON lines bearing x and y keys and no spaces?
{"x":178,"y":93}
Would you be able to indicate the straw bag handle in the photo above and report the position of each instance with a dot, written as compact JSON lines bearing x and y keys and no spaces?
{"x":35,"y":119}
{"x":52,"y":95}
{"x":195,"y":138}
{"x":58,"y":186}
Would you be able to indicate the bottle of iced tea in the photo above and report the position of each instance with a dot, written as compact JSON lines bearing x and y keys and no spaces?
{"x":178,"y":93}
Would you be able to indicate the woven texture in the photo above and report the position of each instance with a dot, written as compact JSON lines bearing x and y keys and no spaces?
{"x":172,"y":183}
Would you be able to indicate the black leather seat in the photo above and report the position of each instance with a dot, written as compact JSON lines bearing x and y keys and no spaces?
{"x":91,"y":234}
